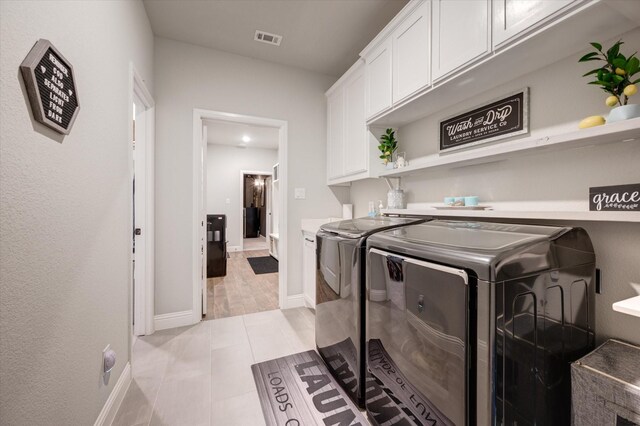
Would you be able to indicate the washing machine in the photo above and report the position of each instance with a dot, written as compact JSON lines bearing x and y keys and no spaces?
{"x":472,"y":323}
{"x":340,"y":275}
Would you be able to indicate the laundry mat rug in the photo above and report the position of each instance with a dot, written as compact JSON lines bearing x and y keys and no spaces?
{"x":298,"y":390}
{"x":263,"y":264}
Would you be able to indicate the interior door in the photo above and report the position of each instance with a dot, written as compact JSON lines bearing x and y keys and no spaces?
{"x":267,"y":197}
{"x":139,"y":214}
{"x":417,"y":337}
{"x":203,"y":216}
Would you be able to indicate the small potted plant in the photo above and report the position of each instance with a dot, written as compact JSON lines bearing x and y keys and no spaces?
{"x":615,"y":77}
{"x":388,"y":145}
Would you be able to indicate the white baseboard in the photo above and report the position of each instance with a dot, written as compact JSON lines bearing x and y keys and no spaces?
{"x":173,"y":320}
{"x":377,"y":295}
{"x":309,"y":303}
{"x":294,"y":301}
{"x":110,"y":409}
{"x":233,"y":248}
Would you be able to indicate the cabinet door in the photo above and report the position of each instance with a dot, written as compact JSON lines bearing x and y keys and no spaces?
{"x":335,"y":134}
{"x":460,"y":34}
{"x":355,"y":135}
{"x":411,"y":51}
{"x":513,"y":17}
{"x":309,"y":269}
{"x":378,"y":79}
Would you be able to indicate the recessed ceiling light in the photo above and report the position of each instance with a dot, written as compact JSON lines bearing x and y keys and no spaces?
{"x":246,"y":138}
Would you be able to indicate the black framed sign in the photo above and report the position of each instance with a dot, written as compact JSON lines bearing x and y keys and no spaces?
{"x":51,"y":87}
{"x":615,"y":198}
{"x":499,"y":119}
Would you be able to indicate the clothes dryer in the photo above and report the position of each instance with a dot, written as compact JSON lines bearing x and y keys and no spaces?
{"x":472,"y":323}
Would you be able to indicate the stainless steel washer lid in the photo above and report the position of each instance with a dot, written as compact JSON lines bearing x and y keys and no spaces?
{"x":478,"y":235}
{"x":364,"y":226}
{"x":494,"y":250}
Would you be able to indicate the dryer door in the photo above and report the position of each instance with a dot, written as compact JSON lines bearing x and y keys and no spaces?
{"x":417,"y":332}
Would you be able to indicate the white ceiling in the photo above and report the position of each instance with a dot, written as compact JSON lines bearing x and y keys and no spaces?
{"x":226,"y":133}
{"x":325,"y":36}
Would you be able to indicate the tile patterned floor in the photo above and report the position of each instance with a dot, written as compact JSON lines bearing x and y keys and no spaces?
{"x":241,"y":291}
{"x":201,"y":375}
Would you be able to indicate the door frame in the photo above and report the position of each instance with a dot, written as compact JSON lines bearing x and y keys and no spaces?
{"x":199,"y":211}
{"x":242,"y":175}
{"x":143,"y":300}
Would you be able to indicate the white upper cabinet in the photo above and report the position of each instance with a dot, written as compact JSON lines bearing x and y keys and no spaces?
{"x":355,"y":127}
{"x":335,"y":134}
{"x":350,"y":147}
{"x":411,"y":53}
{"x":378,"y":79}
{"x":460,"y":34}
{"x":513,"y":17}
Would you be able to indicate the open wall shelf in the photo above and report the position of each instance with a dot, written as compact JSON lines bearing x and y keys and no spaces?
{"x":621,"y":131}
{"x":542,"y":210}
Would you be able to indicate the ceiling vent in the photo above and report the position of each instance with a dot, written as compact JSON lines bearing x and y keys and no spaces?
{"x":268,"y":38}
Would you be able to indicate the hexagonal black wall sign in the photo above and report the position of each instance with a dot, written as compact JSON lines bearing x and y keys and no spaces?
{"x":51,"y":87}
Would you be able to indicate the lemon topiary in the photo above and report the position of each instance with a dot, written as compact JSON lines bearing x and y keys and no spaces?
{"x":616,"y":75}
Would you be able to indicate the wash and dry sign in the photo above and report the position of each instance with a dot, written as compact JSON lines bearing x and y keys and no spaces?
{"x":51,"y":87}
{"x":500,"y":119}
{"x":615,"y":198}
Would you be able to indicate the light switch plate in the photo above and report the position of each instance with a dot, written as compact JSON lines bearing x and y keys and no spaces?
{"x":300,"y":194}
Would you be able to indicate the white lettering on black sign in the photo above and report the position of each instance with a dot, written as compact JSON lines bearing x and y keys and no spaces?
{"x":50,"y":84}
{"x":615,"y":198}
{"x":497,"y":120}
{"x":56,"y":89}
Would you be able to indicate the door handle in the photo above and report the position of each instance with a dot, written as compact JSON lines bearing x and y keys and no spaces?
{"x":137,"y":231}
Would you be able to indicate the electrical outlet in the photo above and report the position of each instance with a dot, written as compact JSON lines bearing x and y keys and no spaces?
{"x":299,"y":194}
{"x":598,"y":282}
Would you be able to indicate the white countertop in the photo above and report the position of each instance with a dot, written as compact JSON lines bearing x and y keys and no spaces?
{"x":628,"y":306}
{"x":550,"y":210}
{"x":312,"y":226}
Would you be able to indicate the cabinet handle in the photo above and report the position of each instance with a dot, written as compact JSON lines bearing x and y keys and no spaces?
{"x":311,"y":241}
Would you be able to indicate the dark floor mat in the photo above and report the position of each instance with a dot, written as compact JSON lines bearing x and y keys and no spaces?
{"x":263,"y":264}
{"x":298,"y":389}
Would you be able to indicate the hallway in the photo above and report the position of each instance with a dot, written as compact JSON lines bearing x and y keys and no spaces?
{"x":201,"y":375}
{"x":241,"y":291}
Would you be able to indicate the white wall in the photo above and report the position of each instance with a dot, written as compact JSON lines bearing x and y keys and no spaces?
{"x":559,"y":99}
{"x":65,"y":212}
{"x":224,"y":164}
{"x":189,"y":77}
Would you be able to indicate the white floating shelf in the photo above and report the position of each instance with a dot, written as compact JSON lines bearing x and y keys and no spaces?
{"x":628,"y":306}
{"x":543,"y":210}
{"x":621,"y":131}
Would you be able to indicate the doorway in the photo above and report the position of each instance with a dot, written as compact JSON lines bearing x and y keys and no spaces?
{"x":205,"y":184}
{"x":141,"y":156}
{"x":256,"y":210}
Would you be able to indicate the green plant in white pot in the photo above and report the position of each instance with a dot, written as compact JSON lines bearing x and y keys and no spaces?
{"x":388,"y":145}
{"x":615,"y":77}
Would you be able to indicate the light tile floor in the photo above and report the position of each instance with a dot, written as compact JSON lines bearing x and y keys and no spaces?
{"x":241,"y":291}
{"x":201,"y":375}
